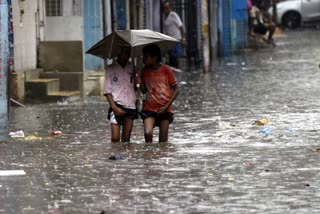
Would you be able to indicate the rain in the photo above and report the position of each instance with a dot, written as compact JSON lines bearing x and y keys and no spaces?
{"x":217,"y":159}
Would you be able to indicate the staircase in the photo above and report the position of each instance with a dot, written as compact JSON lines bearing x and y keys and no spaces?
{"x":46,"y":86}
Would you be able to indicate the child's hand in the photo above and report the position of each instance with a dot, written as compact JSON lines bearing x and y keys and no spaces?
{"x":162,"y":110}
{"x":138,"y":79}
{"x":118,"y":111}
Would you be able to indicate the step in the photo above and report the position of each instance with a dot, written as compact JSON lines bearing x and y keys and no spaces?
{"x":92,"y":78}
{"x":39,"y":88}
{"x":96,"y":75}
{"x":69,"y":81}
{"x":33,"y":74}
{"x":43,"y":80}
{"x":64,"y":93}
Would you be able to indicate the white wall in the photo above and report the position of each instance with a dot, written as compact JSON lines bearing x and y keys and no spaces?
{"x":72,"y":8}
{"x":63,"y":28}
{"x":67,"y":27}
{"x":24,"y":35}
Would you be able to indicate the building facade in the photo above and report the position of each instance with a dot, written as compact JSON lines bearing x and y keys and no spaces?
{"x":43,"y":30}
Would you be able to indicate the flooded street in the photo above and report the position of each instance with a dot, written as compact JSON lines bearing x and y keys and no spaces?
{"x":216,"y":160}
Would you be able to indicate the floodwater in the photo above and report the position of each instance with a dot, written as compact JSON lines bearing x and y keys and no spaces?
{"x":216,"y":160}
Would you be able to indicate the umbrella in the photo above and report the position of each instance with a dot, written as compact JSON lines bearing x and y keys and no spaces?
{"x":109,"y":47}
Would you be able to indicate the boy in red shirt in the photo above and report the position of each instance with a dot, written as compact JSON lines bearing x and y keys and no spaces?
{"x":160,"y":84}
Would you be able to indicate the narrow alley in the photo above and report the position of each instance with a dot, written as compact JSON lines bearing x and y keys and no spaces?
{"x":216,"y":161}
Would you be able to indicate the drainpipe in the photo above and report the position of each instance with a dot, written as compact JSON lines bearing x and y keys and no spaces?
{"x":213,"y":34}
{"x":4,"y":69}
{"x":205,"y":36}
{"x":141,"y":14}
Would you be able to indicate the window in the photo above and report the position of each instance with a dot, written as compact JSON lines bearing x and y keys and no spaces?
{"x":53,"y":7}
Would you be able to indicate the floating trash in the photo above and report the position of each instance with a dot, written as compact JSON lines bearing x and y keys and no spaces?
{"x":316,"y":150}
{"x":116,"y":157}
{"x":56,"y":133}
{"x":12,"y":172}
{"x":29,"y":208}
{"x":265,"y":131}
{"x":17,"y":134}
{"x":32,"y":137}
{"x":261,"y":122}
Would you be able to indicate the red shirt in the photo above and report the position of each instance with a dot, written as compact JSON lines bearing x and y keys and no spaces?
{"x":159,"y":87}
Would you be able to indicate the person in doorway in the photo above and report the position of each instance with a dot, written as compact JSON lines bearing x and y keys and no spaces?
{"x":261,"y":24}
{"x":250,"y":27}
{"x":120,"y":93}
{"x":160,"y":85}
{"x":172,"y":26}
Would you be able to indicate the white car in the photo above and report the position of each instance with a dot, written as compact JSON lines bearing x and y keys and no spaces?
{"x":293,"y":13}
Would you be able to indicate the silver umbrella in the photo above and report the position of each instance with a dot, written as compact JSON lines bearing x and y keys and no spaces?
{"x":110,"y":46}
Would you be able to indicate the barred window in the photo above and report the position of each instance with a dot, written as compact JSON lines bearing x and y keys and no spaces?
{"x":53,"y":7}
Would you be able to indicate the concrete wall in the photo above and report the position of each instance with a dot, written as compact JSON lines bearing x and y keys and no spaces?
{"x":67,"y":27}
{"x":72,"y":8}
{"x":64,"y":28}
{"x":64,"y":56}
{"x":24,"y":35}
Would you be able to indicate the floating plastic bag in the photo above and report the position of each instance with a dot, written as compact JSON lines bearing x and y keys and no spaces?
{"x":265,"y":131}
{"x":17,"y":134}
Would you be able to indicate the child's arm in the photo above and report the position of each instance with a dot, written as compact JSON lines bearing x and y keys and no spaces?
{"x":140,"y":84}
{"x":175,"y":93}
{"x":117,"y":111}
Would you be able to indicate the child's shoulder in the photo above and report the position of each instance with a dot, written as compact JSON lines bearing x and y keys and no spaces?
{"x":166,"y":67}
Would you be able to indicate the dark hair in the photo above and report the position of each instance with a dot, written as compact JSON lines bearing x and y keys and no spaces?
{"x":166,"y":2}
{"x":152,"y":50}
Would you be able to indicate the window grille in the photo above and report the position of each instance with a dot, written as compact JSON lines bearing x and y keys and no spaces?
{"x":53,"y":7}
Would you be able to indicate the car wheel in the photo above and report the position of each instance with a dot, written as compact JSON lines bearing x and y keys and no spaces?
{"x":291,"y":20}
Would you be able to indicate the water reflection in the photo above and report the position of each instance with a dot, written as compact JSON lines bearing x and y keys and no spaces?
{"x":216,"y":161}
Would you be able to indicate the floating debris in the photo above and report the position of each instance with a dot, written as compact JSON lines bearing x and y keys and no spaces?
{"x":261,"y":122}
{"x":12,"y":172}
{"x":33,"y":138}
{"x":17,"y":134}
{"x":116,"y":157}
{"x":265,"y":131}
{"x":56,"y":133}
{"x":316,"y":150}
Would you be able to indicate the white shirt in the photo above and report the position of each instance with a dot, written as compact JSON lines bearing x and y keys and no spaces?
{"x":119,"y":82}
{"x":253,"y":13}
{"x":171,"y":25}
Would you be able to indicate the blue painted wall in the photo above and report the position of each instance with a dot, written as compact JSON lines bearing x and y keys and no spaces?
{"x":225,"y":28}
{"x":4,"y":59}
{"x":93,"y":31}
{"x":240,"y":24}
{"x":232,"y":26}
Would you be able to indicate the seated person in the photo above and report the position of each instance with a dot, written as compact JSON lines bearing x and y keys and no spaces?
{"x":261,"y":24}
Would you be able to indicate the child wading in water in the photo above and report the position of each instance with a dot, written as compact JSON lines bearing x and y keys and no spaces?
{"x":119,"y":90}
{"x":160,"y":84}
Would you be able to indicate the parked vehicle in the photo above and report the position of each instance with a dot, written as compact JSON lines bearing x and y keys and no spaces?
{"x":293,"y":13}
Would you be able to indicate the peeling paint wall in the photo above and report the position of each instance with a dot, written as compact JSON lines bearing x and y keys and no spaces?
{"x":4,"y":59}
{"x":24,"y":25}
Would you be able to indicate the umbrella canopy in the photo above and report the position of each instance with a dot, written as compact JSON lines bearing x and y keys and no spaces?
{"x":110,"y":46}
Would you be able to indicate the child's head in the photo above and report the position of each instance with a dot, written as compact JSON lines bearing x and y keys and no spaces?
{"x":151,"y":54}
{"x":124,"y":54}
